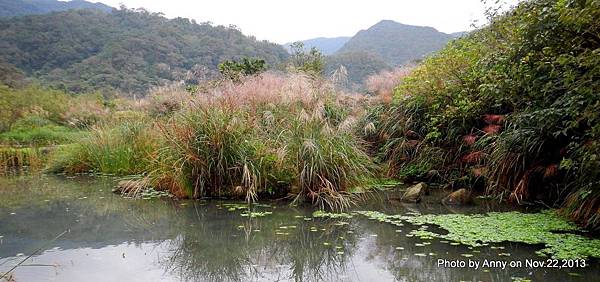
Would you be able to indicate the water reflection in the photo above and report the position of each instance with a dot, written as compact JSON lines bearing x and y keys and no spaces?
{"x":115,"y":239}
{"x":222,"y":245}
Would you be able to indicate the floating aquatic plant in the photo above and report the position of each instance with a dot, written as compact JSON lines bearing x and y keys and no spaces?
{"x":256,"y":214}
{"x":321,"y":213}
{"x":234,"y":207}
{"x":153,"y":194}
{"x":545,"y":227}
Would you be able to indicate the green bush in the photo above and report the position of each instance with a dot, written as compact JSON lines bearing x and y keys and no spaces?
{"x":517,"y":99}
{"x":235,"y":70}
{"x":311,"y":62}
{"x":36,"y":131}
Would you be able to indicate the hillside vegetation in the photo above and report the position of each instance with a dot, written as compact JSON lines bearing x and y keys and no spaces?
{"x":13,"y":8}
{"x":512,"y":108}
{"x":126,"y":51}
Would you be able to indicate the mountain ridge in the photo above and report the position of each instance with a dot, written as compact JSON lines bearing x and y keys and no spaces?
{"x":129,"y":51}
{"x":397,"y":43}
{"x":14,"y":8}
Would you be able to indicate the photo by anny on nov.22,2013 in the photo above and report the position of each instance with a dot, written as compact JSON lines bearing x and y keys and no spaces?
{"x":299,"y":141}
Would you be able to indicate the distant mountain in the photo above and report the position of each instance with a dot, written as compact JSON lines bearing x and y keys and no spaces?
{"x":125,"y":50}
{"x":397,"y":43}
{"x":458,"y":34}
{"x":327,"y":46}
{"x":10,"y":8}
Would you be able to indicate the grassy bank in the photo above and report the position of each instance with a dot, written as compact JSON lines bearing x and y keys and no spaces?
{"x":268,"y":136}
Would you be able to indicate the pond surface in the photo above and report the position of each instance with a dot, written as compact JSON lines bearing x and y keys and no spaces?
{"x":109,"y":238}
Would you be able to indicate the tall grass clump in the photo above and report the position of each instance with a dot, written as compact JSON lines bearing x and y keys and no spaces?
{"x":163,"y":101}
{"x":328,"y":162}
{"x":17,"y":158}
{"x":383,"y":83}
{"x":514,"y":103}
{"x":267,"y":135}
{"x":124,"y":148}
{"x":209,"y":152}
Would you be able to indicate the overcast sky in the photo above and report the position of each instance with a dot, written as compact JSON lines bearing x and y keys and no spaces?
{"x":284,"y":21}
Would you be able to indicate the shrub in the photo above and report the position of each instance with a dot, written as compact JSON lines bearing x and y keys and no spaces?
{"x":36,"y":136}
{"x":517,"y":99}
{"x":236,"y":70}
{"x":311,"y":63}
{"x":85,"y":111}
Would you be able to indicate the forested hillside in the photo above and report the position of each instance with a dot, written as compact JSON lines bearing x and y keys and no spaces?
{"x":11,"y":8}
{"x":126,"y":50}
{"x":397,"y":43}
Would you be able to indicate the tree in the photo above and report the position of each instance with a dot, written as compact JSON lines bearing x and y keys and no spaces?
{"x":311,"y":63}
{"x":236,"y":70}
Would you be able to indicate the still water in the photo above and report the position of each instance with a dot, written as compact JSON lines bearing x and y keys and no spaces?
{"x":109,"y":238}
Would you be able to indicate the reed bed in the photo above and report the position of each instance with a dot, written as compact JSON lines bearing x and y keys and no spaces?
{"x":17,"y":158}
{"x":271,"y":135}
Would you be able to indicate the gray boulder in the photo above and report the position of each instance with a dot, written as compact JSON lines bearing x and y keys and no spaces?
{"x":415,"y":193}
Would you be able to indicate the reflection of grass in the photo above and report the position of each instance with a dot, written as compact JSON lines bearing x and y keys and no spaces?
{"x":478,"y":230}
{"x":208,"y":242}
{"x":203,"y":253}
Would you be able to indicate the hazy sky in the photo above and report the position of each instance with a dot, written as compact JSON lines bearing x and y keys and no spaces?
{"x":283,"y":21}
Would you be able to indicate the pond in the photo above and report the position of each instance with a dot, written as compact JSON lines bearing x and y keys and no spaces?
{"x":110,"y":238}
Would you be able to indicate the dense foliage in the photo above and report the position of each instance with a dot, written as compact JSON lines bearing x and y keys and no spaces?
{"x":513,"y":106}
{"x":311,"y":62}
{"x":236,"y":70}
{"x":126,"y":50}
{"x":12,"y":8}
{"x":33,"y":115}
